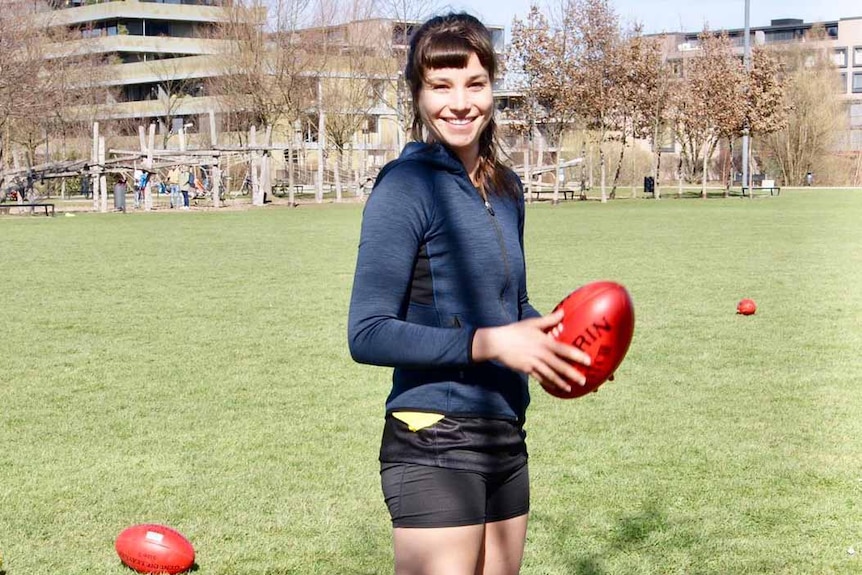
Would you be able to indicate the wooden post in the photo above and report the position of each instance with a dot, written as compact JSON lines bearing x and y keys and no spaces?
{"x":254,"y":163}
{"x":215,"y":170}
{"x":213,"y":133}
{"x":103,"y":181}
{"x":94,"y":167}
{"x":215,"y":176}
{"x":321,"y":156}
{"x":321,"y":143}
{"x":266,"y":167}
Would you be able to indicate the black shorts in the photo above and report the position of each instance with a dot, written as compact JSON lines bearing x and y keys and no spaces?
{"x":458,"y":471}
{"x":426,"y":496}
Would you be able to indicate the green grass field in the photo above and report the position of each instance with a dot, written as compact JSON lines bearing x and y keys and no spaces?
{"x":192,"y":369}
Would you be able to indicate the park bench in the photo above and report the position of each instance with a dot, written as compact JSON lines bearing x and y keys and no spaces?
{"x":565,"y":193}
{"x":764,"y":186}
{"x":49,"y":208}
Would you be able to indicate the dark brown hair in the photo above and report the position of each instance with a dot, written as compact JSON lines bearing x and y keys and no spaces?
{"x":448,"y":42}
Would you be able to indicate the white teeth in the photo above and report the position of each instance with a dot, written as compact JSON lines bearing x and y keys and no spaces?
{"x":460,"y":122}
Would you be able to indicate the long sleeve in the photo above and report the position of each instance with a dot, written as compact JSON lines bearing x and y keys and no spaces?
{"x":395,"y":222}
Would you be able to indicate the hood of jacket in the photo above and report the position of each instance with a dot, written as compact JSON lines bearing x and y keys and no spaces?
{"x":432,"y":155}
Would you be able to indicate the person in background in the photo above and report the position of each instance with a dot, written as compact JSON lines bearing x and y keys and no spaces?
{"x":186,"y":179}
{"x":137,"y":179}
{"x":440,"y":295}
{"x":174,"y":186}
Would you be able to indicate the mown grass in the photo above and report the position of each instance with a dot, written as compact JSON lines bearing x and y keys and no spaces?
{"x":191,"y":369}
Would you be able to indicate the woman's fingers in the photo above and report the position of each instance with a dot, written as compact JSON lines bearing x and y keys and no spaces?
{"x":546,"y":322}
{"x":572,"y":354}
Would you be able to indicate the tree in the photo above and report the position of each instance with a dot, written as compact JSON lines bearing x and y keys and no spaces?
{"x":268,"y":74}
{"x":600,"y":72}
{"x":404,"y":15}
{"x":642,"y":93}
{"x":25,"y":79}
{"x":814,"y":107}
{"x":349,"y":88}
{"x":175,"y":83}
{"x":709,"y":102}
{"x":543,"y":60}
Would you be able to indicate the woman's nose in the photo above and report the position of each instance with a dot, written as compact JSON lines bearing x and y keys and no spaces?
{"x":460,"y":99}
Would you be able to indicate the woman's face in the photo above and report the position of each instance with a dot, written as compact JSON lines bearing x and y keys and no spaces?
{"x":457,"y":104}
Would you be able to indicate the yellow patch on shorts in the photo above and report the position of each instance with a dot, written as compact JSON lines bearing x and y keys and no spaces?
{"x":417,"y":420}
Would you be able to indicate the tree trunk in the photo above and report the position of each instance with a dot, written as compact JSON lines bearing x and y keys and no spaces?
{"x":705,"y":171}
{"x":604,"y":173}
{"x":619,"y":168}
{"x":528,"y":175}
{"x":556,"y":199}
{"x":730,"y":171}
{"x":339,"y":158}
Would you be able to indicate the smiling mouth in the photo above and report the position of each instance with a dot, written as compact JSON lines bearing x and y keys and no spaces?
{"x":459,"y":121}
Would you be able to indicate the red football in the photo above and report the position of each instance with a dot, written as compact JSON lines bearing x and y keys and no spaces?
{"x":151,"y":548}
{"x":600,"y":320}
{"x":746,"y":307}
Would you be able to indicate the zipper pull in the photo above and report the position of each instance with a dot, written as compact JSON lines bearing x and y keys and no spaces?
{"x":489,"y":208}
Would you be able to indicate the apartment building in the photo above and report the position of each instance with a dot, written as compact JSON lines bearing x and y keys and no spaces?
{"x":843,"y":40}
{"x":151,"y":45}
{"x":145,"y":45}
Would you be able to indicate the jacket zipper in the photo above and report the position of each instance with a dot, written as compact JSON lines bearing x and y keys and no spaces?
{"x":490,"y":210}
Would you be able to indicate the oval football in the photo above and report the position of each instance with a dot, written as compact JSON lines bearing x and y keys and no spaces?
{"x":599,"y":319}
{"x":153,"y":548}
{"x":746,"y":307}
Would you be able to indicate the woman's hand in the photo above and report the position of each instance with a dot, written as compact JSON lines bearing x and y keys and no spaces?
{"x":529,"y":346}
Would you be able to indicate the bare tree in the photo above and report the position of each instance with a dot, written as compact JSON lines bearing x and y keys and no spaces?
{"x":25,"y":91}
{"x":268,"y":74}
{"x":815,"y":111}
{"x":641,"y":95}
{"x":543,"y":60}
{"x":600,"y":72}
{"x":176,"y":83}
{"x":404,"y":17}
{"x":709,"y":102}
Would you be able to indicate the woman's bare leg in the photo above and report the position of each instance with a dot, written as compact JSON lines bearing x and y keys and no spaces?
{"x":504,"y":547}
{"x":438,"y":551}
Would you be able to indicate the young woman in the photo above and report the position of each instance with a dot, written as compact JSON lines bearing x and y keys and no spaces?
{"x":440,"y":295}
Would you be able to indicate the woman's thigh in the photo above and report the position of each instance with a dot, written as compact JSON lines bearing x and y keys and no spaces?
{"x":438,"y":551}
{"x":503,"y":547}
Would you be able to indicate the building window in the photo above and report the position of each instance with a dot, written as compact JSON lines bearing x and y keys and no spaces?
{"x":376,"y":92}
{"x":309,"y":128}
{"x":857,"y":82}
{"x":857,"y":56}
{"x":666,"y":140}
{"x":371,"y":125}
{"x":839,"y":57}
{"x":856,"y":115}
{"x":842,"y":83}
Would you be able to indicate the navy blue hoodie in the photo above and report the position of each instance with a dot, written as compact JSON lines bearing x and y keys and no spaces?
{"x":435,"y":263}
